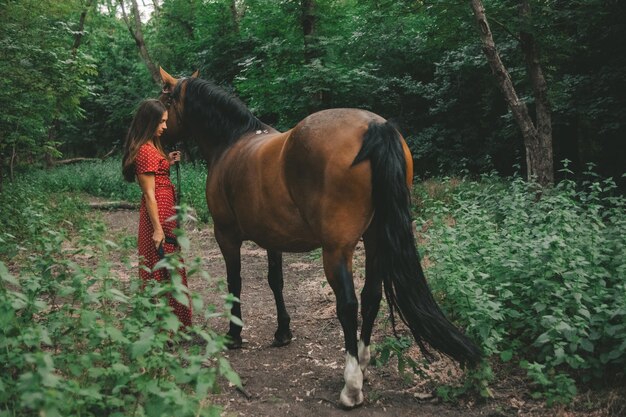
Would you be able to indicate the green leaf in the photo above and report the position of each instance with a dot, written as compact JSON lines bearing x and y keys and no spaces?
{"x":506,"y":355}
{"x":543,"y":338}
{"x":6,"y":276}
{"x":228,"y":372}
{"x":236,"y":320}
{"x":171,"y":322}
{"x":141,"y":346}
{"x":184,"y":242}
{"x":587,"y":345}
{"x":120,"y":368}
{"x":115,"y":334}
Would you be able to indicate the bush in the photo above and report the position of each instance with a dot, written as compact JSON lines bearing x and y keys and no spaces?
{"x":535,"y":278}
{"x":76,"y":339}
{"x":28,"y":208}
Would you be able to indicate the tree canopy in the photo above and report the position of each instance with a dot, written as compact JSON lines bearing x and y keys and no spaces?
{"x":69,"y":86}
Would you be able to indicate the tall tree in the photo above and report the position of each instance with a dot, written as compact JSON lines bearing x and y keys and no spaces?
{"x":42,"y":79}
{"x":309,"y":23}
{"x":537,"y":135}
{"x":236,"y":13}
{"x":78,"y":34}
{"x":135,"y":28}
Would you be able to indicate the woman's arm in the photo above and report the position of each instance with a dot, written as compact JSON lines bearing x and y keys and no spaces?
{"x":147,"y":184}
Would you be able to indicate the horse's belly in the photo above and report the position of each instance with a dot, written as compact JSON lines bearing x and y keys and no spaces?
{"x":285,"y":234}
{"x":287,"y":246}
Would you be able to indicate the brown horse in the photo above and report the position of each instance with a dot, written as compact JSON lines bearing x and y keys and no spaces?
{"x":338,"y":176}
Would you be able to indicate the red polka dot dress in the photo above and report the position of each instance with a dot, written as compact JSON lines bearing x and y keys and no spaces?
{"x":150,"y":160}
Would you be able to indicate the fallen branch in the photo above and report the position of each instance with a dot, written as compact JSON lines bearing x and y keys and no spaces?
{"x":74,"y":160}
{"x":113,"y":205}
{"x":82,"y":159}
{"x":109,"y":153}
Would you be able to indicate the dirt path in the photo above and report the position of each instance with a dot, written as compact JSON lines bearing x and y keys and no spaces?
{"x":305,"y":377}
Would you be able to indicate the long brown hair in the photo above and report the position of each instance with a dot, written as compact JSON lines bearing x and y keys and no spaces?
{"x":142,"y":129}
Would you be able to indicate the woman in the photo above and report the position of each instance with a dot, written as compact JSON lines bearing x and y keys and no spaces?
{"x":145,"y":160}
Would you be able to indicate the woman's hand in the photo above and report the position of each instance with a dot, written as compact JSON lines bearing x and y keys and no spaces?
{"x":158,"y":237}
{"x":148,"y":187}
{"x":173,"y":157}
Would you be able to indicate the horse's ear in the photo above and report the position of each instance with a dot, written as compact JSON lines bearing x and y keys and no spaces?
{"x":169,"y":82}
{"x":195,"y":74}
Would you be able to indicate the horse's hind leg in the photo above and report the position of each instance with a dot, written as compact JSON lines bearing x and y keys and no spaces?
{"x":371,"y":295}
{"x":283,"y":334}
{"x":338,"y":269}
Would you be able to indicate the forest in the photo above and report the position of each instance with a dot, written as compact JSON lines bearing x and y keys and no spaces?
{"x":73,"y":71}
{"x":515,"y":116}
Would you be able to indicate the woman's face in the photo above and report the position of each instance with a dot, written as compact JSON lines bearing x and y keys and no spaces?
{"x":162,"y":125}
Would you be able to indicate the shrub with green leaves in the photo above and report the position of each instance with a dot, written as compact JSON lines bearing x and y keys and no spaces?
{"x":537,"y":278}
{"x":76,"y":339}
{"x":28,"y":208}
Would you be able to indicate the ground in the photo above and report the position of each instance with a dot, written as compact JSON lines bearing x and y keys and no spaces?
{"x":306,"y":377}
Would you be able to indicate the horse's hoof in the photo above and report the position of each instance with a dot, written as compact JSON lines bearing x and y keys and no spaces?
{"x":282,"y":340}
{"x":234,"y":342}
{"x":350,"y":399}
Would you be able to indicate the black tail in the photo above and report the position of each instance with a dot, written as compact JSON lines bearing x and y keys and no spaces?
{"x":397,"y":260}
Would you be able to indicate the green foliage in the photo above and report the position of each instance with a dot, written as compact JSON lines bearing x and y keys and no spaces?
{"x":536,"y":278}
{"x":28,"y":208}
{"x":115,"y":90}
{"x":476,"y":381}
{"x":417,"y":63}
{"x":78,"y":340}
{"x":96,"y":178}
{"x":42,"y":81}
{"x":355,"y":60}
{"x":392,"y":347}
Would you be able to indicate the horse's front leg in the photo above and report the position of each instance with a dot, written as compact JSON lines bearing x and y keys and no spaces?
{"x":338,"y":271}
{"x":283,"y":334}
{"x":231,"y":250}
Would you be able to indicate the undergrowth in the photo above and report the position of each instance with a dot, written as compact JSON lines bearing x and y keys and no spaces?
{"x":537,"y":277}
{"x":104,"y":179}
{"x":75,"y":338}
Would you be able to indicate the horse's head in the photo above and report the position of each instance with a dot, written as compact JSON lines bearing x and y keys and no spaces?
{"x":173,"y":97}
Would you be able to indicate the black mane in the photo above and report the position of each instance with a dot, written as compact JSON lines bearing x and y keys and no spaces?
{"x":213,"y":114}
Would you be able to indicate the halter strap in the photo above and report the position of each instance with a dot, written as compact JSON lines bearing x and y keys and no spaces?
{"x":170,"y":97}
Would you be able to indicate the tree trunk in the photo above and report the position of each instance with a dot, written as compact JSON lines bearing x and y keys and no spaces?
{"x":537,"y":139}
{"x":235,"y":14}
{"x":135,"y":29}
{"x":81,"y":27}
{"x":309,"y":24}
{"x":541,"y":152}
{"x":157,"y":8}
{"x":12,"y":163}
{"x":312,"y":50}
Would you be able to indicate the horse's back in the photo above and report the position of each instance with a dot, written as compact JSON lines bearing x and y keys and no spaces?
{"x":335,"y":131}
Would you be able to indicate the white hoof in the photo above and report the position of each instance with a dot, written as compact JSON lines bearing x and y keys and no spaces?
{"x":364,"y":358}
{"x":352,"y":393}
